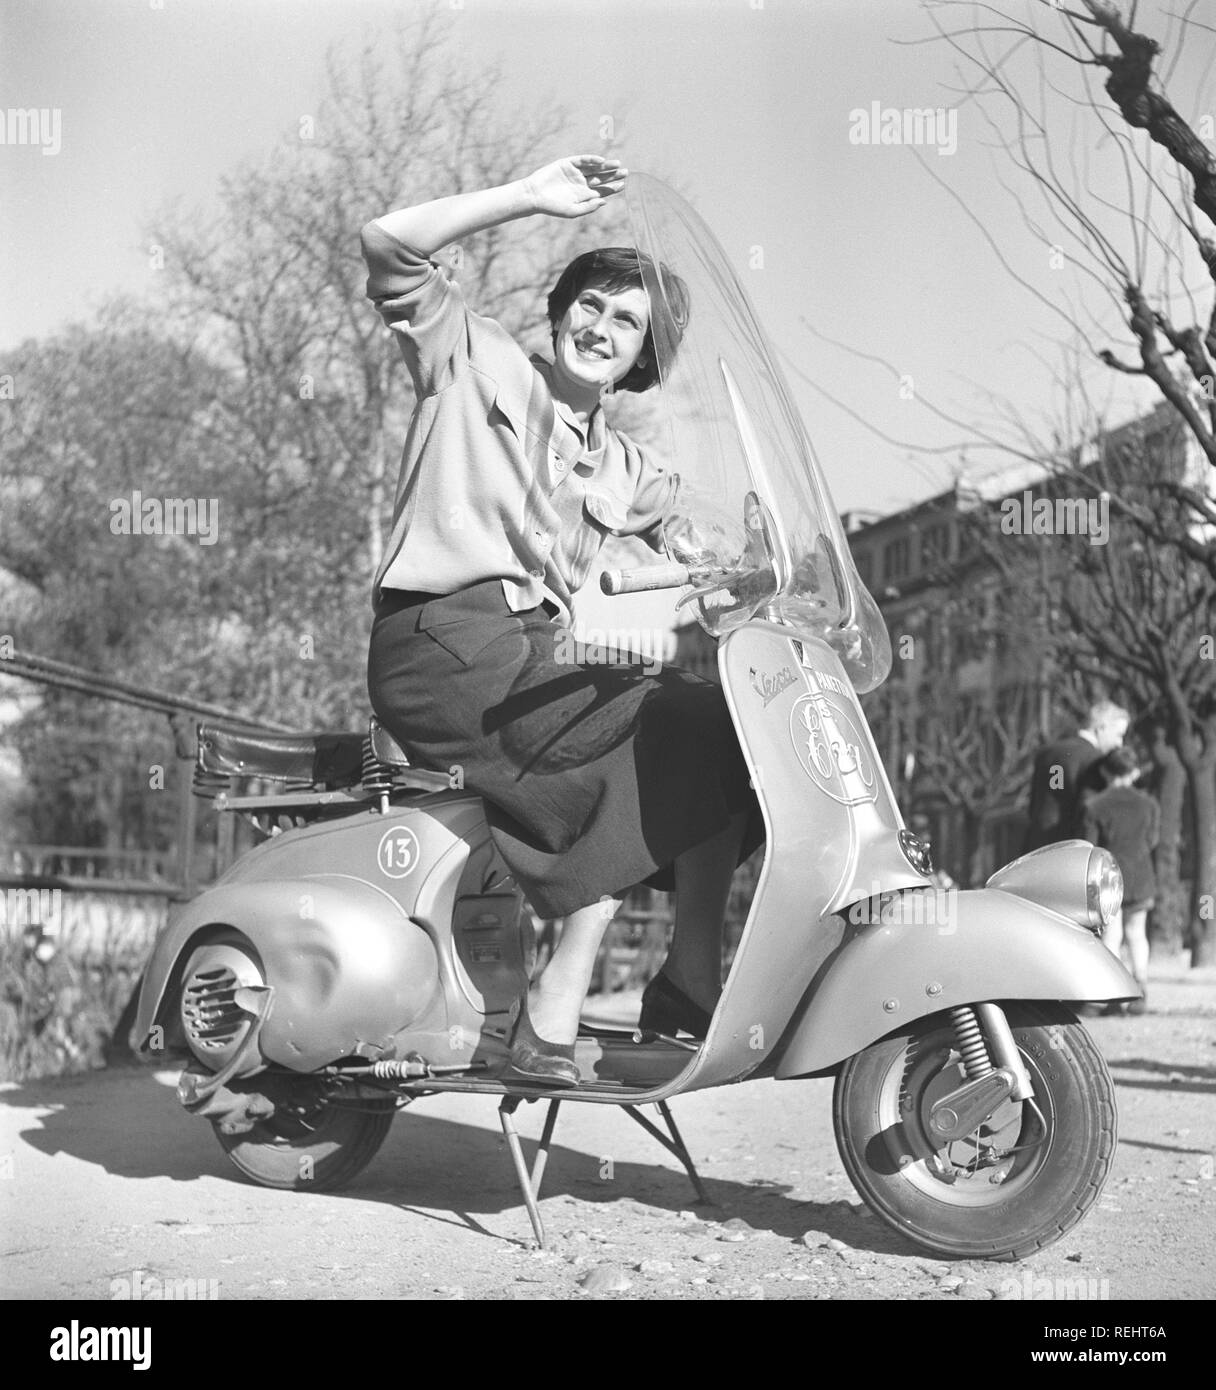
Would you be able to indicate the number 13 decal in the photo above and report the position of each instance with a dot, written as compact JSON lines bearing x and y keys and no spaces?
{"x":398,"y":852}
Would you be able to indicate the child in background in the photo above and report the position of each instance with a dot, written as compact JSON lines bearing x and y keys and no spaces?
{"x":1127,"y":822}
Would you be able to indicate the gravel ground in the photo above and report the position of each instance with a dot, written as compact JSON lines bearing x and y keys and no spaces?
{"x":108,"y":1184}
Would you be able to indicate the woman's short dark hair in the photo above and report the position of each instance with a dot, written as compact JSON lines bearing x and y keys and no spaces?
{"x":618,"y":268}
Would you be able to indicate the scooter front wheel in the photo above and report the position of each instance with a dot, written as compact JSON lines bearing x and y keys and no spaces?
{"x":316,"y":1148}
{"x":1021,"y":1180}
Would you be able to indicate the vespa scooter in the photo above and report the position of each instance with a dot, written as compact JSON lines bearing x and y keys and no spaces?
{"x":367,"y":952}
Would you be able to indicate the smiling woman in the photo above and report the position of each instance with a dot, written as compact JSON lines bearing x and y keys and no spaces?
{"x":595,"y":776}
{"x":601,"y":321}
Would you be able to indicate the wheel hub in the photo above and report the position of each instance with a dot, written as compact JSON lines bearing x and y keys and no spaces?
{"x":966,"y":1164}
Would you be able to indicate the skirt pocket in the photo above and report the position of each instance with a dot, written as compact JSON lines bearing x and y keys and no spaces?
{"x":467,"y":638}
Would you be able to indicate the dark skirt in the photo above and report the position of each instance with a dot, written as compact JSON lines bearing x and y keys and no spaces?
{"x":595,"y":777}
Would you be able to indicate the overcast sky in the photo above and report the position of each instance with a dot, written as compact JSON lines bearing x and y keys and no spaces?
{"x":751,"y":102}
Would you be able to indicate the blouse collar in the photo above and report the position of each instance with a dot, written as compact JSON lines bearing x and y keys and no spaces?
{"x":591,"y":434}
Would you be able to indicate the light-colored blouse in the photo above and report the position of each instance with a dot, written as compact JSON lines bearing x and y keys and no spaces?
{"x":498,"y":480}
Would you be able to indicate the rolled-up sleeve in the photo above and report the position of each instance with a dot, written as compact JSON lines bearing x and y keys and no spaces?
{"x":653,"y":500}
{"x":422,"y":306}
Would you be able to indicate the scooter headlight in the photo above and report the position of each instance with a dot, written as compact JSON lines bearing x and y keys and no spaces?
{"x":1103,"y":888}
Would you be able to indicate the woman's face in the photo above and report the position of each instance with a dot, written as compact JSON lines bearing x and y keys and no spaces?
{"x":601,"y":336}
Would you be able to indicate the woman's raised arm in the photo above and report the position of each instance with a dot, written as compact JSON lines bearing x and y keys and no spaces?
{"x":570,"y":187}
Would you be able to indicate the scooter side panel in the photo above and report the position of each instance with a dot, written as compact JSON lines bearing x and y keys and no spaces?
{"x":990,"y":945}
{"x":347,"y":966}
{"x":330,"y":907}
{"x":828,"y":810}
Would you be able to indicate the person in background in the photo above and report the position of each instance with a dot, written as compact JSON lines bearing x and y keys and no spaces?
{"x":922,"y":828}
{"x":1127,"y":822}
{"x":1065,"y":776}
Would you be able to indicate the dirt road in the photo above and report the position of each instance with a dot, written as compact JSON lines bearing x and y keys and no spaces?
{"x":107,"y":1187}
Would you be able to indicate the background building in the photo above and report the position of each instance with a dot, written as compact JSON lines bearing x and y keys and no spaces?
{"x":976,"y":685}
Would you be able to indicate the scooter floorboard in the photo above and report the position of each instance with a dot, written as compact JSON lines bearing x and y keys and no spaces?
{"x":610,"y":1093}
{"x":615,"y":1070}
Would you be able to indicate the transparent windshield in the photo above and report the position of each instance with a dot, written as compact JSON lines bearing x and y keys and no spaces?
{"x":753,"y":520}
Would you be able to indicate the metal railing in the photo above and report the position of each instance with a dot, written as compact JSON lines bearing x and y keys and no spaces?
{"x":182,"y":715}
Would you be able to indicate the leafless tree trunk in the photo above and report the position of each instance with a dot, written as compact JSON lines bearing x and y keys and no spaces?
{"x":318,"y":400}
{"x":1171,"y":913}
{"x":1139,"y":245}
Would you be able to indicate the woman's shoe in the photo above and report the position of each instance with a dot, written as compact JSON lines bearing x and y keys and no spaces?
{"x":536,"y":1060}
{"x":667,"y":1009}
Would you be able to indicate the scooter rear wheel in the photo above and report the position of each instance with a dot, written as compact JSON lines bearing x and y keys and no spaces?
{"x":318,"y":1149}
{"x":1023,"y":1179}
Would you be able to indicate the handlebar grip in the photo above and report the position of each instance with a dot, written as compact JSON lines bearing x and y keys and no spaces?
{"x":641,"y":580}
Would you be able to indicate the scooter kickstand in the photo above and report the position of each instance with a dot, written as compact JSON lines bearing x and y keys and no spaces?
{"x":673,"y":1145}
{"x":529,"y":1183}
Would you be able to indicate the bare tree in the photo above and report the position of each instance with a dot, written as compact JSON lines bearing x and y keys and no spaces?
{"x":267,"y":382}
{"x":1138,"y":233}
{"x":1128,"y":617}
{"x":1118,"y":188}
{"x":99,"y":414}
{"x":317,"y":400}
{"x":957,"y":721}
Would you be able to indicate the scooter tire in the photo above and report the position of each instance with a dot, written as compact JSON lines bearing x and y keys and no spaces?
{"x":1056,"y":1160}
{"x":323,"y":1156}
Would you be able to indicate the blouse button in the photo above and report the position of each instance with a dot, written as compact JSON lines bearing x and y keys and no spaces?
{"x":559,"y":463}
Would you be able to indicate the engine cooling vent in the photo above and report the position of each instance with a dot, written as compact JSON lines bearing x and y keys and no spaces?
{"x":214,"y":1026}
{"x":211,"y":1018}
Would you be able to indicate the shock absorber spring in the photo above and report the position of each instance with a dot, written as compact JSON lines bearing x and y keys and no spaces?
{"x":376,"y":777}
{"x":971,"y":1044}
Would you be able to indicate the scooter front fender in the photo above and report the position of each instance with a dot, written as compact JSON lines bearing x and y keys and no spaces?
{"x":918,"y":959}
{"x":348,"y":966}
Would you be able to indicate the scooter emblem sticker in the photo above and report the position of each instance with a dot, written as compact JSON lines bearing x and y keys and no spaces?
{"x":398,"y":852}
{"x":831,"y":750}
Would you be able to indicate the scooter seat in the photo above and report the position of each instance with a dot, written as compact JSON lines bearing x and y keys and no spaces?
{"x":330,"y":760}
{"x":385,"y":748}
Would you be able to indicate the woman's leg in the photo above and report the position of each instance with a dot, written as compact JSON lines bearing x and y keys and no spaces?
{"x":555,"y":999}
{"x":694,"y":963}
{"x":1137,"y":943}
{"x":1112,"y":935}
{"x":703,"y":877}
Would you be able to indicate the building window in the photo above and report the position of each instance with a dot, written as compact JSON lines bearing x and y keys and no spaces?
{"x":935,"y":545}
{"x":896,"y":559}
{"x":865,"y":567}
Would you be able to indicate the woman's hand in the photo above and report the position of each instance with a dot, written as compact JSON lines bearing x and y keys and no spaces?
{"x":576,"y":186}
